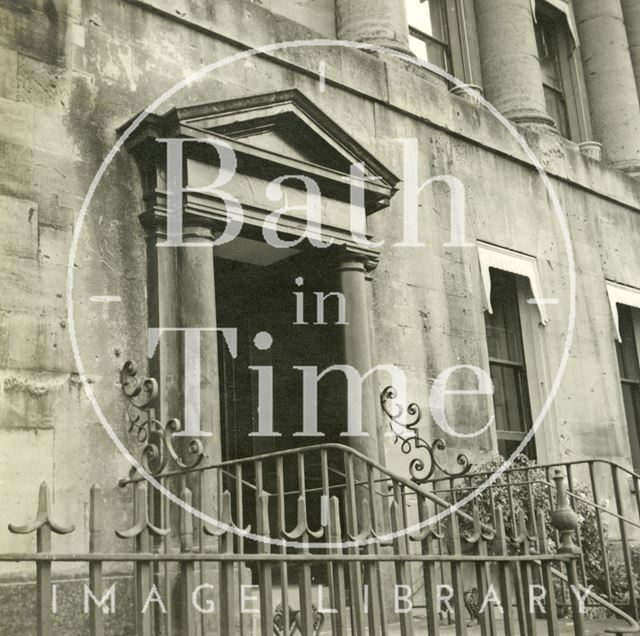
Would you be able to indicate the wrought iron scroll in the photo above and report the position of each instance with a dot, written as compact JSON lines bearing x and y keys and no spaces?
{"x":157,"y":437}
{"x":403,"y":423}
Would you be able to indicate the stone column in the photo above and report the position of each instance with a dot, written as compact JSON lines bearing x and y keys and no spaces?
{"x":611,"y":86}
{"x":197,"y":309}
{"x":381,"y":22}
{"x":509,"y":59}
{"x":631,"y":11}
{"x":357,"y":347}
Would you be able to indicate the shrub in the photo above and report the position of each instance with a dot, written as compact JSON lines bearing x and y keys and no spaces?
{"x":535,"y":495}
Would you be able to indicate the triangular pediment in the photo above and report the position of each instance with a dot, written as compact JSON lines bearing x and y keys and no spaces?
{"x":273,"y":135}
{"x":286,"y":123}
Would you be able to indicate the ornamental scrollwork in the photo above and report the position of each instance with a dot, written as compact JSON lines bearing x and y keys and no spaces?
{"x":157,"y":437}
{"x":403,"y":422}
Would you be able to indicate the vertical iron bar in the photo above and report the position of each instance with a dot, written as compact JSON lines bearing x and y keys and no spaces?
{"x":503,"y":572}
{"x":264,"y":568}
{"x":304,"y":581}
{"x":284,"y":574}
{"x":429,"y":573}
{"x":403,"y":577}
{"x":96,"y":615}
{"x":340,"y":620}
{"x":572,"y":575}
{"x":376,"y":524}
{"x":601,"y":539}
{"x":43,"y":582}
{"x":239,"y":539}
{"x":227,"y":588}
{"x":457,"y":582}
{"x":355,"y":571}
{"x":626,"y":548}
{"x":187,"y":568}
{"x":547,"y":576}
{"x":144,"y":573}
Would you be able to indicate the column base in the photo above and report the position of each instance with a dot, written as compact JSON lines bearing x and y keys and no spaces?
{"x":630,"y":168}
{"x":591,"y":149}
{"x":532,"y":119}
{"x":386,"y":43}
{"x":468,"y":92}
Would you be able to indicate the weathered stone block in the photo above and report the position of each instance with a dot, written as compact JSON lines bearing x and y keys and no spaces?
{"x":19,"y":232}
{"x":8,"y":74}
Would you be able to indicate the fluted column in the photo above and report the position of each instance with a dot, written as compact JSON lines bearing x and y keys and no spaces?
{"x":611,"y":86}
{"x":357,"y":346}
{"x":631,"y":11}
{"x":381,"y":22}
{"x":509,"y":59}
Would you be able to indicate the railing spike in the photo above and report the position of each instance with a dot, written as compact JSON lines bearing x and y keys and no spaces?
{"x":225,"y":523}
{"x":141,"y":521}
{"x":43,"y":517}
{"x":366,"y":527}
{"x":429,"y":529}
{"x":302,"y":526}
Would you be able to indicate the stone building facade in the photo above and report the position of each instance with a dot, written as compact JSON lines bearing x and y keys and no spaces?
{"x":565,"y":76}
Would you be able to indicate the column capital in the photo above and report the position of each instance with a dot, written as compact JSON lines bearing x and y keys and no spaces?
{"x":154,"y":222}
{"x":345,"y":258}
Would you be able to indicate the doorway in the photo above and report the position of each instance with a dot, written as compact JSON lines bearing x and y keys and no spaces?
{"x":254,"y":299}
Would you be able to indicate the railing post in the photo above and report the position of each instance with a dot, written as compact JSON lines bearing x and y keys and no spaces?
{"x":479,"y":537}
{"x":96,"y":615}
{"x":340,"y":619}
{"x":563,"y":517}
{"x":227,"y":589}
{"x":187,"y":568}
{"x":141,"y":531}
{"x":264,"y":569}
{"x":565,"y":520}
{"x":429,"y":569}
{"x":455,"y":548}
{"x":355,"y":570}
{"x":43,"y":526}
{"x":304,"y":581}
{"x":601,"y":531}
{"x":374,"y":603}
{"x":547,"y":576}
{"x":284,"y":570}
{"x":144,"y":574}
{"x":503,"y":572}
{"x":523,"y":575}
{"x":403,"y":576}
{"x":624,"y":540}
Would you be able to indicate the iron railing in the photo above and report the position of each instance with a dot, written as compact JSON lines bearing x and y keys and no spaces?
{"x":332,"y":530}
{"x":607,"y":499}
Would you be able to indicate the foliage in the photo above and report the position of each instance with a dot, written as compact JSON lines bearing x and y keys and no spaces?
{"x":528,"y":489}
